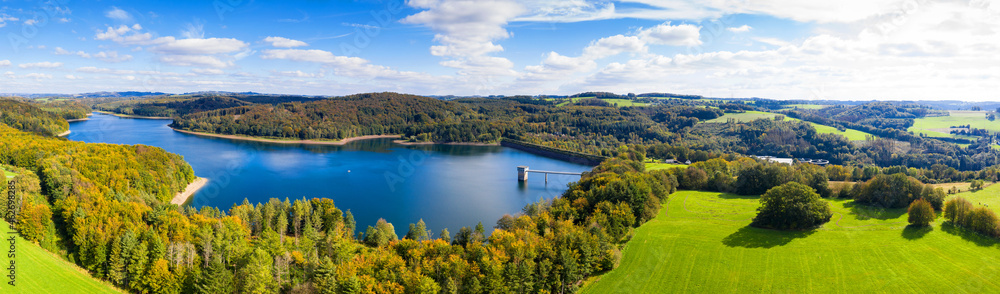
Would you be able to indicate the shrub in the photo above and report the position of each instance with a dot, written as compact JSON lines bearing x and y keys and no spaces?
{"x":980,"y":219}
{"x":921,"y":213}
{"x":792,"y":206}
{"x":897,"y":191}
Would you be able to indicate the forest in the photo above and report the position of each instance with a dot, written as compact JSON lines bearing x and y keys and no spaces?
{"x":106,"y":207}
{"x":29,"y":118}
{"x":590,"y":125}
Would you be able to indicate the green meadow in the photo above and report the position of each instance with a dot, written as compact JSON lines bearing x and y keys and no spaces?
{"x":701,"y":243}
{"x":651,"y":166}
{"x":40,"y":271}
{"x":851,"y":134}
{"x":937,"y":126}
{"x":618,"y":102}
{"x":989,"y":196}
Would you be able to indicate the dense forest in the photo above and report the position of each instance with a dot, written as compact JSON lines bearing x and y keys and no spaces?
{"x":591,"y":125}
{"x":105,"y":207}
{"x":67,"y":109}
{"x":29,"y":118}
{"x":427,"y":119}
{"x":173,"y":106}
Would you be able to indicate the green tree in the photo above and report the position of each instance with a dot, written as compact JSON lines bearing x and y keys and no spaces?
{"x":920,"y":213}
{"x":445,"y":235}
{"x":255,"y":274}
{"x":215,"y":279}
{"x":159,"y":279}
{"x":792,"y":206}
{"x":382,"y":234}
{"x":418,"y":231}
{"x":349,"y":224}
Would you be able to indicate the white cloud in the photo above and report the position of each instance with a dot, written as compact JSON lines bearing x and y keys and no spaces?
{"x":207,"y":71}
{"x":194,"y":30}
{"x":112,"y":56}
{"x":118,"y":14}
{"x":106,"y":56}
{"x":38,"y":76}
{"x":284,"y":42}
{"x":557,"y":67}
{"x":614,"y":45}
{"x":354,"y":67}
{"x":30,"y":22}
{"x":72,"y":77}
{"x":666,"y":34}
{"x":195,"y":52}
{"x":126,"y":35}
{"x":739,"y":29}
{"x":200,"y":46}
{"x":804,"y":11}
{"x":466,"y":30}
{"x":195,"y":61}
{"x":315,"y":56}
{"x":61,"y":51}
{"x":44,"y":64}
{"x":298,"y":74}
{"x":4,"y":63}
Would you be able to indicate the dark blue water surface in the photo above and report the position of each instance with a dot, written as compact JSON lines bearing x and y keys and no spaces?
{"x":448,"y":186}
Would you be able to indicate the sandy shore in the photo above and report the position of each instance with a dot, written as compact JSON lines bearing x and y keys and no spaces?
{"x":77,"y":119}
{"x":63,"y":134}
{"x":133,"y":116}
{"x":182,"y":197}
{"x":308,"y":142}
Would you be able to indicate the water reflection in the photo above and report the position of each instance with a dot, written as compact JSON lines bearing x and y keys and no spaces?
{"x":445,"y":185}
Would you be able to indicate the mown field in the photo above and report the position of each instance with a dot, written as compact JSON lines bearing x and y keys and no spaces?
{"x":989,"y":196}
{"x":651,"y":166}
{"x":937,"y":126}
{"x":851,"y":134}
{"x":618,"y":102}
{"x":39,"y":271}
{"x":701,"y":243}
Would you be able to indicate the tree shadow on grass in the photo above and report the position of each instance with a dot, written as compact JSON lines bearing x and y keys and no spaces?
{"x":864,"y":212}
{"x":737,"y":196}
{"x":968,"y":235}
{"x":750,"y":237}
{"x":912,"y":232}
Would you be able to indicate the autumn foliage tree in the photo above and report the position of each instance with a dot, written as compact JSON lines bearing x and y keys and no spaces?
{"x":920,"y":213}
{"x":792,"y":206}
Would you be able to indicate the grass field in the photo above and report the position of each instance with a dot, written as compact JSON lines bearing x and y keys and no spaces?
{"x":989,"y":196}
{"x":851,"y":134}
{"x":651,"y":166}
{"x":39,"y":271}
{"x":742,"y":117}
{"x":806,"y":106}
{"x":9,"y":174}
{"x":937,"y":126}
{"x":620,"y":102}
{"x":701,"y":243}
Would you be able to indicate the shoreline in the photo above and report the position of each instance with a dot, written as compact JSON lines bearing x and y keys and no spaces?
{"x":77,"y":119}
{"x":193,"y":187}
{"x":133,"y":116}
{"x":305,"y":142}
{"x":63,"y":134}
{"x":402,"y":142}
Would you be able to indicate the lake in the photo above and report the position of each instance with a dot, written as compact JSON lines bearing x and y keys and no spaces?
{"x":448,"y":186}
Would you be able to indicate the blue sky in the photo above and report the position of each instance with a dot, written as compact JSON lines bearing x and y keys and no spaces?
{"x":852,"y":49}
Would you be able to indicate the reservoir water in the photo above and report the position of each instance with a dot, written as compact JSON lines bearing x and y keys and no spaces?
{"x":448,"y":186}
